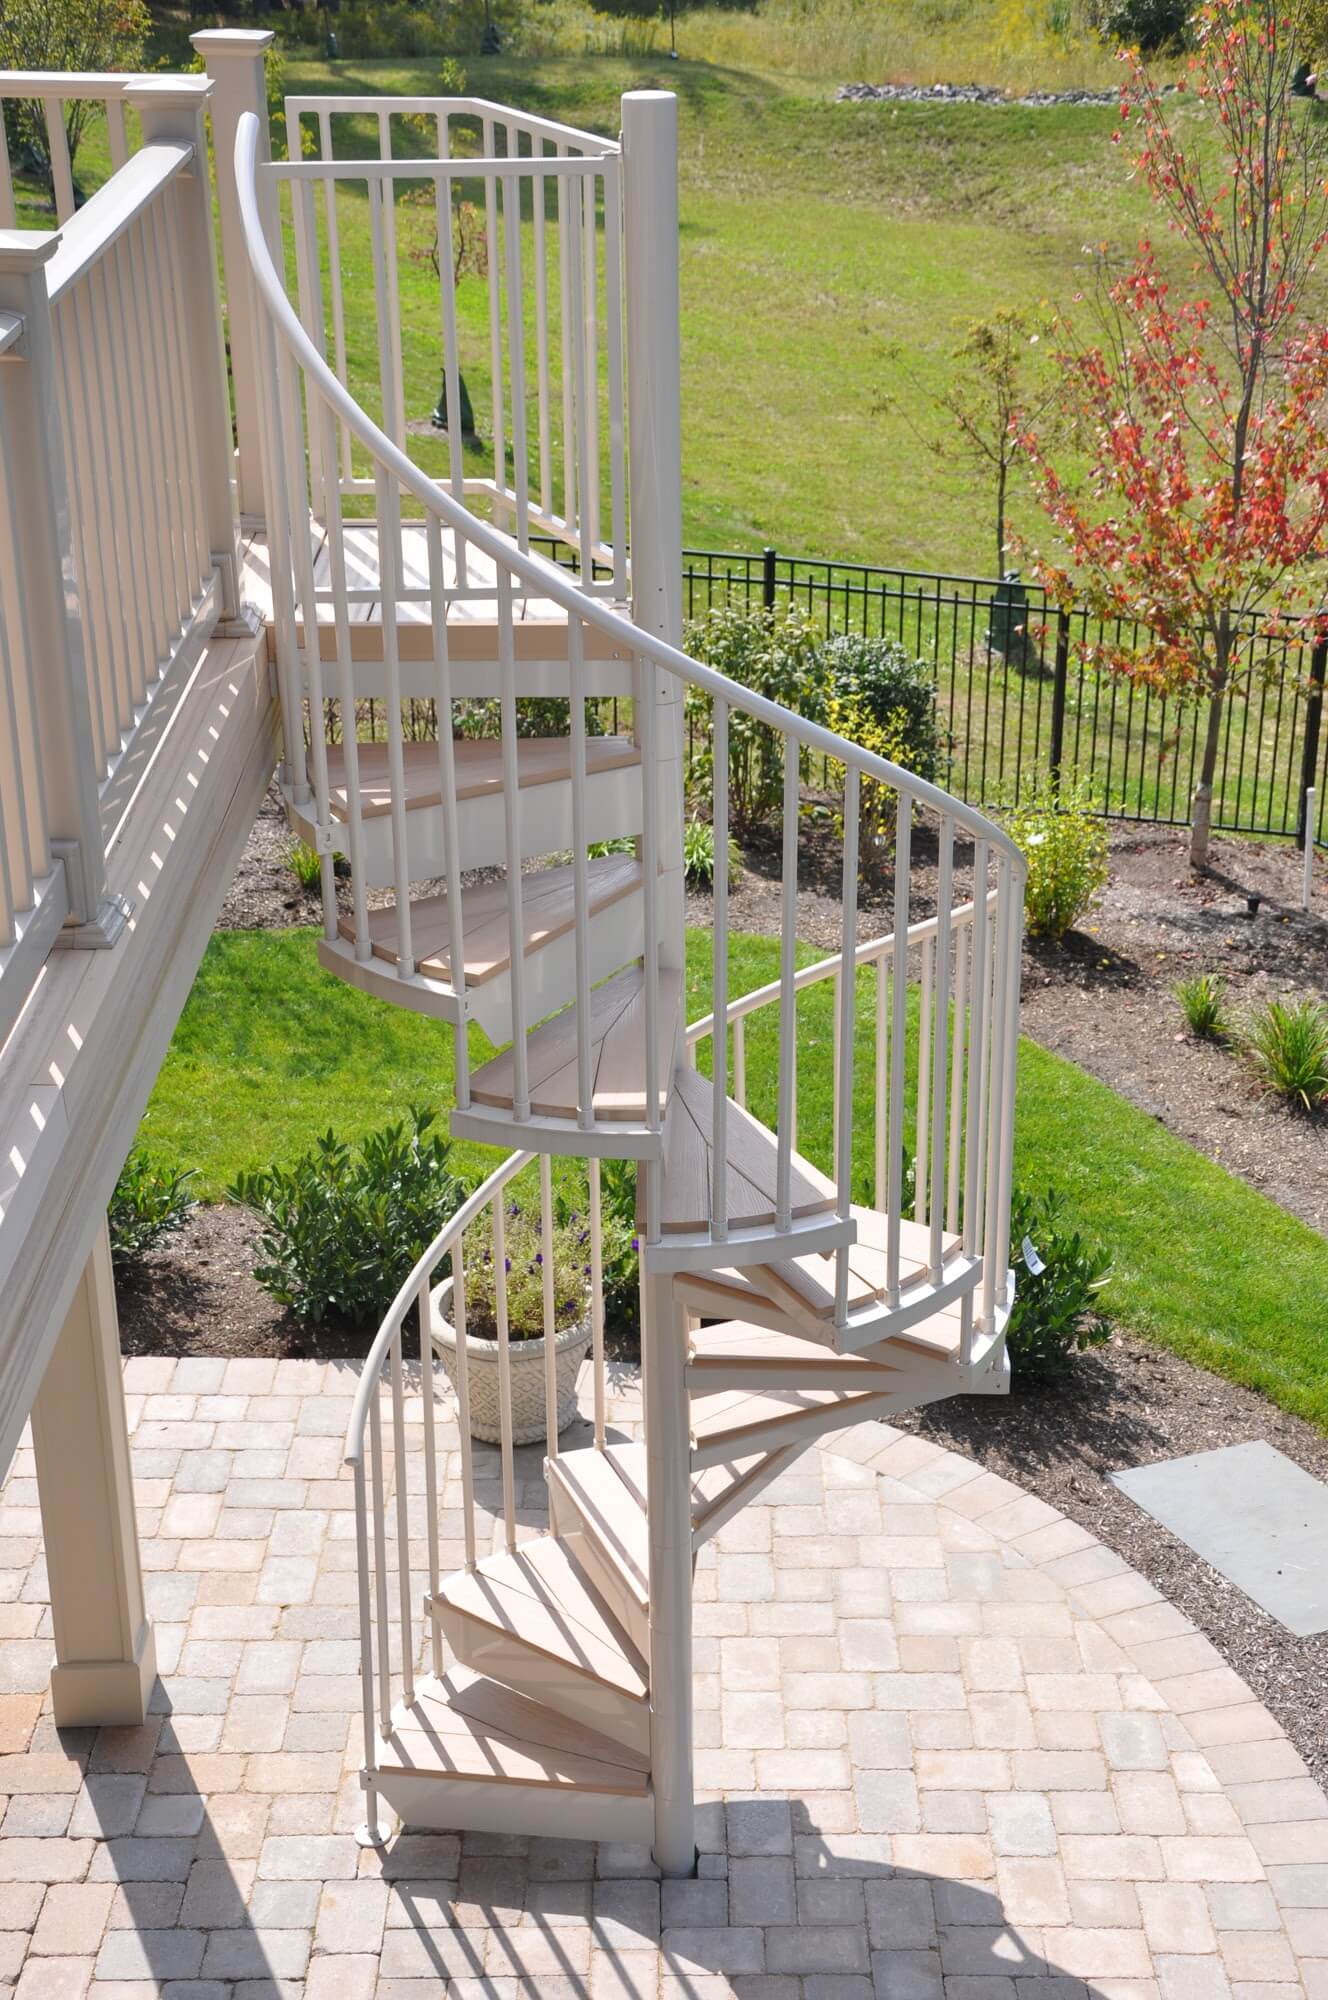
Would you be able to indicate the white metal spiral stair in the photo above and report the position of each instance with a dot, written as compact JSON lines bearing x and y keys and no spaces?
{"x":542,"y":1685}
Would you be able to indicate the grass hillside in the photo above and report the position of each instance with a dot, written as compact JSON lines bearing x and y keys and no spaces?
{"x":831,"y":254}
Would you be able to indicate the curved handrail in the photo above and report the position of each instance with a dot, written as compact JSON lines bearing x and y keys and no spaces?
{"x":447,"y":1236}
{"x":865,"y":953}
{"x":543,"y":576}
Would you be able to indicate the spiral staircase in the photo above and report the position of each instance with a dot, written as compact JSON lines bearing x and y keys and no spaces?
{"x":532,"y":885}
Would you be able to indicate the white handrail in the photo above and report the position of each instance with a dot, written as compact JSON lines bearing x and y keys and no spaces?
{"x":545,"y":578}
{"x":450,"y":107}
{"x":106,"y":216}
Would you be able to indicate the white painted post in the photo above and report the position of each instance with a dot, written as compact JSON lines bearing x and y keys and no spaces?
{"x":1307,"y":889}
{"x":105,"y":1661}
{"x":53,"y":606}
{"x":650,"y":222}
{"x":171,"y":109}
{"x":233,"y":58}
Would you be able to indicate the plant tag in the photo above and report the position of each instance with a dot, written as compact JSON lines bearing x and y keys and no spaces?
{"x":1031,"y":1258}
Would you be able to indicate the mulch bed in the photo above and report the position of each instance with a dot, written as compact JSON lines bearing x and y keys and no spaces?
{"x":1103,"y":999}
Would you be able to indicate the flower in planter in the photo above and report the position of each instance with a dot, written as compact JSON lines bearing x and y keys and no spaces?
{"x":523,"y":1265}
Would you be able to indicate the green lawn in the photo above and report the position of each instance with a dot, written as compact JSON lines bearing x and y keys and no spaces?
{"x":270,"y":1051}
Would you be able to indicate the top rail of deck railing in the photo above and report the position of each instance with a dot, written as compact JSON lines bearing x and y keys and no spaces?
{"x":505,"y":116}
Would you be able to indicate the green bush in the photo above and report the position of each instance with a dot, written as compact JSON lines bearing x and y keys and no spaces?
{"x":698,"y":855}
{"x":1055,"y":1312}
{"x":536,"y":715}
{"x":1150,"y":25}
{"x":1065,"y":847}
{"x":897,"y":691}
{"x":1201,"y":1003}
{"x":770,"y":653}
{"x":342,"y":1227}
{"x":305,"y":866}
{"x":150,"y":1200}
{"x":1287,"y":1041}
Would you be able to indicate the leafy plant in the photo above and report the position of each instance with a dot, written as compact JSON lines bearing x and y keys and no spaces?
{"x":1201,"y":1003}
{"x":1055,"y":1315}
{"x":66,"y":35}
{"x":1066,"y":851}
{"x":536,"y":715}
{"x":523,"y":1260}
{"x":1287,"y":1041}
{"x":850,"y":717}
{"x":343,"y":1226}
{"x":698,"y":855}
{"x":1149,"y":25}
{"x":621,"y":843}
{"x":770,"y":653}
{"x":151,"y":1199}
{"x":887,"y":683}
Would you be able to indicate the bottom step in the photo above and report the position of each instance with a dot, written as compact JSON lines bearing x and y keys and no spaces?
{"x":468,"y":1753}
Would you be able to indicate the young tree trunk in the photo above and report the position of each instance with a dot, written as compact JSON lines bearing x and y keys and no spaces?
{"x":1201,"y":818}
{"x":1001,"y":481}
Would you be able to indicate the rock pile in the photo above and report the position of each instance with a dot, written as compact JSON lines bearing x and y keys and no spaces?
{"x":964,"y":93}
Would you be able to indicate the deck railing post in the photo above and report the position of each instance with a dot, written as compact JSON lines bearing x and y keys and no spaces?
{"x":51,"y":587}
{"x":172,"y":109}
{"x":234,"y":59}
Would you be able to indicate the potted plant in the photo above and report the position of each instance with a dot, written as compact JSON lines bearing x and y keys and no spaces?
{"x":524,"y":1273}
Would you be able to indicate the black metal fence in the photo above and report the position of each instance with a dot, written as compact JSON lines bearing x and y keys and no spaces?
{"x":1019,"y":703}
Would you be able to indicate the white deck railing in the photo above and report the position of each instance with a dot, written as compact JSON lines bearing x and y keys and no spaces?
{"x":547,"y":217}
{"x":53,"y":93}
{"x":118,"y":538}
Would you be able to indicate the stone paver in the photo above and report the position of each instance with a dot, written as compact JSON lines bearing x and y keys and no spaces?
{"x":949,"y":1748}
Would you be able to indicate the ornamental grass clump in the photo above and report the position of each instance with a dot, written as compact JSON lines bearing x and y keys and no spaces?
{"x":1287,"y":1041}
{"x":1065,"y":847}
{"x":1201,"y":1001}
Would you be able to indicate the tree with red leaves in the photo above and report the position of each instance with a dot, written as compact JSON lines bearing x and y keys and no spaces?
{"x":1202,"y":420}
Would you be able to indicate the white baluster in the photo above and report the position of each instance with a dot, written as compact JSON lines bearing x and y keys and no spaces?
{"x":504,"y":1368}
{"x":403,"y":1523}
{"x":846,"y":989}
{"x":463,"y":1396}
{"x":422,"y":1313}
{"x":719,"y":991}
{"x":597,"y":1294}
{"x":940,"y":1045}
{"x":898,"y":1041}
{"x":788,"y":1025}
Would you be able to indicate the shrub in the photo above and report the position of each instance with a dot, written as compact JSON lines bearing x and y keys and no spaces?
{"x":882,"y":680}
{"x":1287,"y":1041}
{"x":1054,"y":1315}
{"x":523,"y":1251}
{"x":698,"y":855}
{"x":770,"y":653}
{"x":150,"y":1200}
{"x":1150,"y":25}
{"x":342,"y":1227}
{"x":536,"y":715}
{"x":1066,"y":851}
{"x":1201,"y":1003}
{"x":850,"y":717}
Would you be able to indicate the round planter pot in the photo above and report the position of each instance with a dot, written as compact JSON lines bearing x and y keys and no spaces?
{"x":526,"y":1358}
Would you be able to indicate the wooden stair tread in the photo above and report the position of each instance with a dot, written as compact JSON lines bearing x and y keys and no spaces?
{"x":733,"y":1413}
{"x":541,"y":760}
{"x":468,"y":1727}
{"x":751,"y":1166}
{"x":619,"y":1526}
{"x":617,"y":1054}
{"x":548,"y":911}
{"x":736,"y":1341}
{"x":537,"y":1596}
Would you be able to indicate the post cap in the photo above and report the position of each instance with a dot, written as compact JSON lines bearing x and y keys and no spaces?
{"x":165,"y":90}
{"x":224,"y":42}
{"x":25,"y":250}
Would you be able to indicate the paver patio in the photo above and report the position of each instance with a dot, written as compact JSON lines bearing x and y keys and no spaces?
{"x":953,"y":1747}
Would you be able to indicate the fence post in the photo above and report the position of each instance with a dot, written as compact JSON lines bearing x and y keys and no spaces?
{"x":1062,"y":674}
{"x":50,"y":584}
{"x":171,"y":110}
{"x":768,"y":579}
{"x":233,"y":59}
{"x":1313,"y":722}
